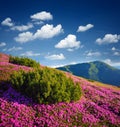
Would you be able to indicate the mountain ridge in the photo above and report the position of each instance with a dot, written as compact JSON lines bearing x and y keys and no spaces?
{"x":96,"y":70}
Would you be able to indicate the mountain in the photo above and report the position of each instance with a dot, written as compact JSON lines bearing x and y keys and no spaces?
{"x":96,"y":70}
{"x":99,"y":105}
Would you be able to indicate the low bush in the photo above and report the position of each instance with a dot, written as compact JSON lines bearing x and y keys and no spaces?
{"x":23,"y":61}
{"x":46,"y":86}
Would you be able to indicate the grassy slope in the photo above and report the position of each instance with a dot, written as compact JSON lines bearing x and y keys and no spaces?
{"x":99,"y":105}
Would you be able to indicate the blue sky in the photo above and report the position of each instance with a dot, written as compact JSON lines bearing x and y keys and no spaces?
{"x":57,"y":33}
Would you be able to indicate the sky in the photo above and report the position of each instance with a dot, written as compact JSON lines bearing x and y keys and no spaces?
{"x":61,"y":32}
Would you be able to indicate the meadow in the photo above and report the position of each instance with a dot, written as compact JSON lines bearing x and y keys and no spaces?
{"x":98,"y":106}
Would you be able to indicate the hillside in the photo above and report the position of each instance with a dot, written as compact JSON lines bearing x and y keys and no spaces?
{"x":96,"y":70}
{"x":99,"y":105}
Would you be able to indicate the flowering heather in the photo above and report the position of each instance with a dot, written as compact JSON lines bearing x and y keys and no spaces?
{"x":7,"y":68}
{"x":98,"y":107}
{"x":4,"y":58}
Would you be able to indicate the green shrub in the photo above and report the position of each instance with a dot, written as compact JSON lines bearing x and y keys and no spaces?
{"x":46,"y":86}
{"x":91,"y":80}
{"x":23,"y":61}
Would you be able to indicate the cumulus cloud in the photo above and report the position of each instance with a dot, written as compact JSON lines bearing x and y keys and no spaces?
{"x":85,"y":28}
{"x":2,"y":44}
{"x":117,"y":53}
{"x":22,"y":27}
{"x":108,"y":38}
{"x":110,"y":62}
{"x":46,"y":31}
{"x":113,"y":48}
{"x":42,"y":16}
{"x":30,"y":53}
{"x":7,"y":22}
{"x":69,"y":42}
{"x":24,"y":37}
{"x":55,"y":57}
{"x":91,"y":54}
{"x":15,"y":48}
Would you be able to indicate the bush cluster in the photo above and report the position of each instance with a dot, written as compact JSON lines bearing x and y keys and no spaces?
{"x":46,"y":86}
{"x":23,"y":61}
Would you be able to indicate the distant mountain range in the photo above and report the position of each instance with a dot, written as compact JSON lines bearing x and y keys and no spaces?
{"x":96,"y":70}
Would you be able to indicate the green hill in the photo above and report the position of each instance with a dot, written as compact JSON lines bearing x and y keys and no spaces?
{"x":96,"y":70}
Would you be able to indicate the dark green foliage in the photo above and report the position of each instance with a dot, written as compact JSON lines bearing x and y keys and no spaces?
{"x":91,"y":80}
{"x":23,"y":61}
{"x":46,"y":86}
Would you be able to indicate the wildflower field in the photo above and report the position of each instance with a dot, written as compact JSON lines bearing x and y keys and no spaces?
{"x":99,"y":105}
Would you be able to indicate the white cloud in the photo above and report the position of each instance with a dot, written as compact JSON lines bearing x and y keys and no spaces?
{"x":46,"y":31}
{"x":91,"y":54}
{"x":69,"y":42}
{"x":15,"y":48}
{"x":7,"y":22}
{"x":24,"y":37}
{"x":42,"y":16}
{"x":110,"y":62}
{"x":38,"y":22}
{"x":113,"y":48}
{"x":56,"y":66}
{"x":117,"y":53}
{"x":22,"y":27}
{"x":70,"y":50}
{"x":2,"y":44}
{"x":55,"y":57}
{"x":62,"y":65}
{"x":30,"y":53}
{"x":85,"y":28}
{"x":108,"y":38}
